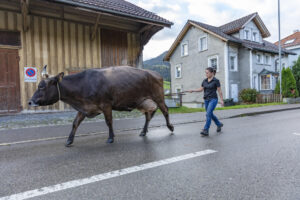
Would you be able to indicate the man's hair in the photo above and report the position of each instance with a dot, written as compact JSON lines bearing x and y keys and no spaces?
{"x":212,"y":70}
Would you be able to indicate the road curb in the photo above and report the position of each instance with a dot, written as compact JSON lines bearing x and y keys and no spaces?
{"x":262,"y":112}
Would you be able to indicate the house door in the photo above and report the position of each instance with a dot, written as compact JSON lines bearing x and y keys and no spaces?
{"x":234,"y":92}
{"x":9,"y":81}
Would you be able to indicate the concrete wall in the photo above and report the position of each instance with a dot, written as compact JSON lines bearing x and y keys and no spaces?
{"x":193,"y":65}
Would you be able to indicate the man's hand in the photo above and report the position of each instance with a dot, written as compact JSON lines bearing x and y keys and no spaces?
{"x":222,"y":103}
{"x":190,"y":91}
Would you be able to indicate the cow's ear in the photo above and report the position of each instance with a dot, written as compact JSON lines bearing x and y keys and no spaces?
{"x":60,"y":76}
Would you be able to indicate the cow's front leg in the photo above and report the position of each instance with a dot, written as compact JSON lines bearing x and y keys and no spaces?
{"x":108,"y":119}
{"x":78,"y":119}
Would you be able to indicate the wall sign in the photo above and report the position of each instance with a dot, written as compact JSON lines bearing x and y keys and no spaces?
{"x":30,"y":74}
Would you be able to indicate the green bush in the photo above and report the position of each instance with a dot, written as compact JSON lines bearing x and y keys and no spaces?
{"x":248,"y":95}
{"x":296,"y":73}
{"x":288,"y":84}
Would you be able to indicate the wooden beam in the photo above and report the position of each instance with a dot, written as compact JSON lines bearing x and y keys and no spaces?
{"x":25,"y":11}
{"x":145,"y":28}
{"x":93,"y":35}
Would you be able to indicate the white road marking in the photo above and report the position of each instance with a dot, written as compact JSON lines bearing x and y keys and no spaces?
{"x":105,"y":176}
{"x":298,"y":134}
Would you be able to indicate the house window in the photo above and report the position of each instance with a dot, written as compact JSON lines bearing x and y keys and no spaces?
{"x":255,"y":36}
{"x":265,"y":82}
{"x":268,"y":60}
{"x":289,"y":41}
{"x":178,"y":71}
{"x":247,"y":34}
{"x":213,"y":62}
{"x":203,"y":43}
{"x":233,"y":63}
{"x":184,"y":49}
{"x":259,"y":58}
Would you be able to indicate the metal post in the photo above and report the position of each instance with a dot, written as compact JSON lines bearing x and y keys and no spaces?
{"x":279,"y":46}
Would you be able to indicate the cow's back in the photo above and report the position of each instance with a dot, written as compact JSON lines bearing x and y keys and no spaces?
{"x":125,"y":87}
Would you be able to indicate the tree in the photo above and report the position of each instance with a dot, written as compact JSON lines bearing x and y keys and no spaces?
{"x":296,"y":73}
{"x":289,"y":87}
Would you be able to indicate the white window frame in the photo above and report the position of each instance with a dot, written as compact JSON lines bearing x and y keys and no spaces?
{"x":271,"y":80}
{"x":182,"y":48}
{"x":261,"y":58}
{"x":250,"y":34}
{"x":235,"y":63}
{"x":256,"y":39}
{"x":178,"y":66}
{"x":199,"y":43}
{"x":269,"y":62}
{"x":214,"y":57}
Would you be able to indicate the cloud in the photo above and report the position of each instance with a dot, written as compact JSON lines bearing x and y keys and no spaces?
{"x":216,"y":13}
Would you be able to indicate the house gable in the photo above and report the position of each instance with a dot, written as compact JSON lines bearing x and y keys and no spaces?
{"x":236,"y":25}
{"x":184,"y":31}
{"x":252,"y":28}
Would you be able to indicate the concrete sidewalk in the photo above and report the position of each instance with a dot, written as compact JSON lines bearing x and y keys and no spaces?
{"x":135,"y":117}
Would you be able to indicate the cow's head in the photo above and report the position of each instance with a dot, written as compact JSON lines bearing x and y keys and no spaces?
{"x":48,"y":90}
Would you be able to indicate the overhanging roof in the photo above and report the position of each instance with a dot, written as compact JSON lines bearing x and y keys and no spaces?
{"x":117,"y":7}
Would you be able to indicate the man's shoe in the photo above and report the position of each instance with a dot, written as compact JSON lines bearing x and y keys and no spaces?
{"x":204,"y":132}
{"x":219,"y":128}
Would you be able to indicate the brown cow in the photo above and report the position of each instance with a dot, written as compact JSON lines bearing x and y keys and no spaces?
{"x":96,"y":91}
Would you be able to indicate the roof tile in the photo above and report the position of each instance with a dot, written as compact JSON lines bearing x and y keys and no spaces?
{"x":119,"y":6}
{"x":295,"y":36}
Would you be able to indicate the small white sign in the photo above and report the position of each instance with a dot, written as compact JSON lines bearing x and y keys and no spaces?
{"x":30,"y":74}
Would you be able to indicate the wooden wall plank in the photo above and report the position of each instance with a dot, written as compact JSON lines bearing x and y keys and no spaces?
{"x":88,"y":47}
{"x":10,"y":21}
{"x":2,"y":20}
{"x":73,"y":46}
{"x":80,"y":49}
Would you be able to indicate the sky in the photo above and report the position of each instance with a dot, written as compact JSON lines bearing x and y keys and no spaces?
{"x":216,"y":13}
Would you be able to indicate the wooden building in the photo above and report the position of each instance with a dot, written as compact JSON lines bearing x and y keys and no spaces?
{"x":68,"y":36}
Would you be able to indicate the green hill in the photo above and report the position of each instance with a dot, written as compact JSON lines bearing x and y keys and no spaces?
{"x":157,"y":64}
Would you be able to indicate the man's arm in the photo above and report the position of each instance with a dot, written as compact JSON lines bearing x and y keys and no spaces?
{"x":221,"y":95}
{"x":197,"y":90}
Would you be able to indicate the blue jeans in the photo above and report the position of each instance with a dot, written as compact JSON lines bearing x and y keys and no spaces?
{"x":210,"y":105}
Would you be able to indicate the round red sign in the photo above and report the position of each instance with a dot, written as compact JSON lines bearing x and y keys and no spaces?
{"x":30,"y":72}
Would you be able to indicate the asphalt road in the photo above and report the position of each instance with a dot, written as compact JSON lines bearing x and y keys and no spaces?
{"x":255,"y":157}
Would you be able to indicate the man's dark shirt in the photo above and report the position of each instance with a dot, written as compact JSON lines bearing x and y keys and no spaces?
{"x":210,"y":88}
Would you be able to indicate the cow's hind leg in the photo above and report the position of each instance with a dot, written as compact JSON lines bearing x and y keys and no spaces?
{"x":149,"y":116}
{"x":108,"y":119}
{"x":164,"y":109}
{"x":78,"y":119}
{"x":149,"y":107}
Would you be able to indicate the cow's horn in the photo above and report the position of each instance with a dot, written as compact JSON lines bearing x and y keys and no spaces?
{"x":44,"y":72}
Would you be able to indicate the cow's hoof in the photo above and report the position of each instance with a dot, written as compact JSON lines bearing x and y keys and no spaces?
{"x":143,"y":133}
{"x":69,"y":143}
{"x":171,"y":127}
{"x":110,"y":141}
